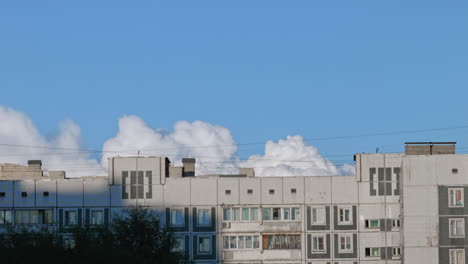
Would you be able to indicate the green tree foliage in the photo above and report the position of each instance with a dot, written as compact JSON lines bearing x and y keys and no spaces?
{"x":135,"y":236}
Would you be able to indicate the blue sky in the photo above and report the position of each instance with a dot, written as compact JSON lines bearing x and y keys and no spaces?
{"x":262,"y":69}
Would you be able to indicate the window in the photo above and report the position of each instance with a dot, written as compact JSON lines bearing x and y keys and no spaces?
{"x":318,"y":244}
{"x":293,"y":191}
{"x":237,"y":214}
{"x":45,"y":194}
{"x":346,"y":243}
{"x":396,"y":223}
{"x":249,"y":191}
{"x":204,"y":217}
{"x":204,"y":245}
{"x":24,"y":194}
{"x":457,"y":227}
{"x":285,"y":214}
{"x":227,"y":192}
{"x":454,"y":171}
{"x":2,"y":195}
{"x":272,"y":191}
{"x":281,"y":241}
{"x":69,"y":242}
{"x":179,"y":245}
{"x":241,"y":242}
{"x":396,"y":252}
{"x":318,"y":216}
{"x":345,"y":216}
{"x":71,"y":218}
{"x":177,"y":217}
{"x":33,"y":217}
{"x":455,"y":197}
{"x":372,"y":252}
{"x":6,"y":217}
{"x":457,"y":256}
{"x":372,"y":223}
{"x":97,"y":217}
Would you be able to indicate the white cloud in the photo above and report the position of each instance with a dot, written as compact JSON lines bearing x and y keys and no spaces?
{"x":291,"y":157}
{"x":213,"y":146}
{"x":18,"y":130}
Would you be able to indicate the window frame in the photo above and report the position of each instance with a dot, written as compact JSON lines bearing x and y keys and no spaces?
{"x":455,"y":189}
{"x":371,"y":251}
{"x":91,"y":216}
{"x":65,"y":211}
{"x":396,"y":252}
{"x":293,"y":212}
{"x":370,"y":226}
{"x":210,"y":245}
{"x":11,"y":218}
{"x":351,"y":243}
{"x":324,"y":217}
{"x":318,"y":251}
{"x":451,"y":235}
{"x":455,"y":250}
{"x":209,"y":217}
{"x":345,"y":207}
{"x":183,"y":217}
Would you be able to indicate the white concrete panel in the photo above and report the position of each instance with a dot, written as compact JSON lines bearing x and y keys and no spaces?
{"x":204,"y":191}
{"x":7,"y":188}
{"x":318,"y":190}
{"x":177,"y":192}
{"x":426,"y":255}
{"x":29,"y":188}
{"x":70,"y":193}
{"x":421,"y":201}
{"x":420,"y":172}
{"x":344,"y":190}
{"x":274,"y":184}
{"x":97,"y":193}
{"x":158,"y":196}
{"x":228,"y":190}
{"x":296,"y":183}
{"x":252,"y":183}
{"x":421,"y":231}
{"x":46,"y":186}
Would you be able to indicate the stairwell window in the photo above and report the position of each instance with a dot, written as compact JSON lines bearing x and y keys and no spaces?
{"x":455,"y":197}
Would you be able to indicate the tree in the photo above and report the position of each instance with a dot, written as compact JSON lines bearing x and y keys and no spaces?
{"x":134,"y":236}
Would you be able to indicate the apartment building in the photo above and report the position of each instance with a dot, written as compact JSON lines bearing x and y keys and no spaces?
{"x":398,"y":207}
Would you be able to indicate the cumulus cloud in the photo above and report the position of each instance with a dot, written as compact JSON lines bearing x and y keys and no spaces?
{"x":213,"y":146}
{"x":209,"y":144}
{"x":18,"y":133}
{"x":292,"y":157}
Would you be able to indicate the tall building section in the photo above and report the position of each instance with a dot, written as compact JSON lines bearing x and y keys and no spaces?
{"x":397,"y":208}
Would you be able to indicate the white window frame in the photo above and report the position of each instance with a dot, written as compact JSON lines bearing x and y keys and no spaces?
{"x":7,"y":215}
{"x":209,"y":217}
{"x":374,"y":256}
{"x":350,"y":208}
{"x":372,"y":227}
{"x":319,"y":251}
{"x":237,"y":247}
{"x":91,"y":217}
{"x":281,"y":216}
{"x":318,"y":221}
{"x":451,"y":234}
{"x":210,"y":245}
{"x":346,"y":237}
{"x":451,"y":251}
{"x":183,"y":217}
{"x":452,"y":203}
{"x":65,"y":211}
